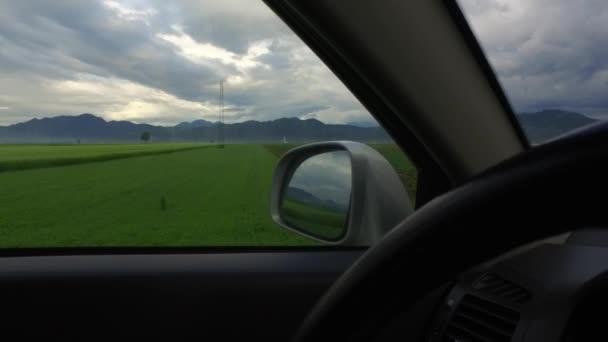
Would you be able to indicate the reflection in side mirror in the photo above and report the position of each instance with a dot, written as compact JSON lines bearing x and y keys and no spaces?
{"x":342,"y":193}
{"x":316,"y":200}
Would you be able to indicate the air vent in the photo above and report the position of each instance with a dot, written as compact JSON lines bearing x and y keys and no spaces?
{"x":495,"y":285}
{"x":478,"y":320}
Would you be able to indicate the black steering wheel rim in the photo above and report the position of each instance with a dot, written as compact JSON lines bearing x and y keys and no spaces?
{"x":546,"y":191}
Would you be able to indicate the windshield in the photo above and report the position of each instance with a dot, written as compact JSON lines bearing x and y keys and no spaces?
{"x":551,"y":58}
{"x":159,"y":123}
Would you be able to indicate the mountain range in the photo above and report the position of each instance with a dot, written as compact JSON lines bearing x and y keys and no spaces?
{"x":302,"y":196}
{"x":90,"y":128}
{"x":539,"y":126}
{"x":551,"y":123}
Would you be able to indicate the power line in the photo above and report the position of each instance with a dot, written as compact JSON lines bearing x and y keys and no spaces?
{"x":220,"y":124}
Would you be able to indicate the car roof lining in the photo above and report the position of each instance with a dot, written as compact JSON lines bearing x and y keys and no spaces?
{"x":414,"y":56}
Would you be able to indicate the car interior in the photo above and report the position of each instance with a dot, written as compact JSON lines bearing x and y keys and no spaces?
{"x":499,"y":245}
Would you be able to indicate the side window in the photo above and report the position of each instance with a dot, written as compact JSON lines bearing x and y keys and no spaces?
{"x":154,"y":123}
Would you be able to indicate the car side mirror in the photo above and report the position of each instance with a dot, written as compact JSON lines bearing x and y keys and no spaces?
{"x":341,"y":193}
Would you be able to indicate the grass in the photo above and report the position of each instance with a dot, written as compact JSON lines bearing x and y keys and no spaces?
{"x":142,"y":195}
{"x":24,"y":157}
{"x":315,"y":220}
{"x":278,"y":150}
{"x":211,"y":197}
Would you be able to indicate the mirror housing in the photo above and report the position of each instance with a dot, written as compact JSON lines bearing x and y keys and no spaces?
{"x":378,"y":199}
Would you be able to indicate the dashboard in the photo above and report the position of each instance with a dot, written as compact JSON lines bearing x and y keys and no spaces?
{"x":550,"y":292}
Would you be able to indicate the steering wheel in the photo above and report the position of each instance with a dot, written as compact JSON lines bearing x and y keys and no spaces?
{"x":545,"y":191}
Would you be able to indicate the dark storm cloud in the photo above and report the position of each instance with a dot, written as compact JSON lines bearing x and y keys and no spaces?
{"x":160,"y":61}
{"x":59,"y":39}
{"x":231,"y":24}
{"x":547,"y":54}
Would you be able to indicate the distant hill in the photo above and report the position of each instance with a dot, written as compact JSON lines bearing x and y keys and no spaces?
{"x":363,"y":123}
{"x":90,"y":128}
{"x":303,"y":196}
{"x":539,"y":126}
{"x":195,"y":124}
{"x":550,"y":123}
{"x":85,"y":127}
{"x":292,"y":129}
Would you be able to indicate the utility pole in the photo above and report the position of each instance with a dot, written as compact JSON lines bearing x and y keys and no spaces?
{"x":220,"y":124}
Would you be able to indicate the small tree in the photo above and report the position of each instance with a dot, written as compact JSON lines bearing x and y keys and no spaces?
{"x":145,"y":136}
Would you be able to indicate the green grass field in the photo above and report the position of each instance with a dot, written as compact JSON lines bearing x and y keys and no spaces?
{"x":24,"y":157}
{"x":154,"y":195}
{"x":316,"y":220}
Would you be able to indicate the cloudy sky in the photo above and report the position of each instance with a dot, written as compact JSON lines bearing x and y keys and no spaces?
{"x":547,"y":53}
{"x":327,"y":176}
{"x":160,"y":62}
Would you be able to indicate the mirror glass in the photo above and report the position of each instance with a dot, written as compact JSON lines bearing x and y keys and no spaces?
{"x":317,"y":198}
